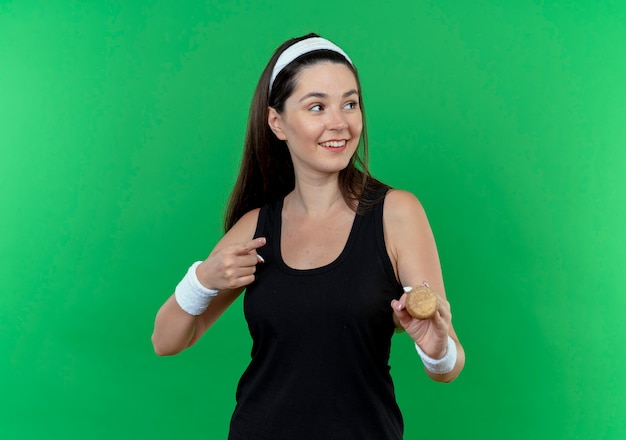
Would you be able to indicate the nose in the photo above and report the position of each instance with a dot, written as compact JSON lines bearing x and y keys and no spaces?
{"x":336,"y":120}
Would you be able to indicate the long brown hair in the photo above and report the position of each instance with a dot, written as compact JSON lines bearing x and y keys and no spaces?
{"x":266,"y":172}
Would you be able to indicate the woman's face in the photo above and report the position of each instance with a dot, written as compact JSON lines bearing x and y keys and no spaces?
{"x":321,"y":122}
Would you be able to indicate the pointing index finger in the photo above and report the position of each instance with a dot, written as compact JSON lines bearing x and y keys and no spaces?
{"x":253,"y":244}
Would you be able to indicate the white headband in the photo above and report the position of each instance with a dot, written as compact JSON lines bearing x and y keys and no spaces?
{"x":300,"y":48}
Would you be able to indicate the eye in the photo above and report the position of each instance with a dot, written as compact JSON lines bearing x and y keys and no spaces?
{"x":351,"y":105}
{"x":316,"y":108}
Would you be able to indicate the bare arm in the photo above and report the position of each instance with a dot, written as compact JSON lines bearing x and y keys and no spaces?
{"x":229,"y":268}
{"x":412,"y":248}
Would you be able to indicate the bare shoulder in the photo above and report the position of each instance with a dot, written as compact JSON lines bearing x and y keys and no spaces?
{"x":241,"y":231}
{"x":248,"y":221}
{"x":402,"y":206}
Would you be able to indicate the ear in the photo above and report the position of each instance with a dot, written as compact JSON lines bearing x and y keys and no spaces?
{"x":274,"y":120}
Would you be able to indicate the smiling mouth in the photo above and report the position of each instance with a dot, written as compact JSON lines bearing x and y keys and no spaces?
{"x":333,"y":144}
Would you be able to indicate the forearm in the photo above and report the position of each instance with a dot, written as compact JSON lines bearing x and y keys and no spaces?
{"x":173,"y":329}
{"x":176,"y":323}
{"x":196,"y":305}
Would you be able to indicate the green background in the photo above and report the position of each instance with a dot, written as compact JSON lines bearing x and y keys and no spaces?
{"x":121,"y":125}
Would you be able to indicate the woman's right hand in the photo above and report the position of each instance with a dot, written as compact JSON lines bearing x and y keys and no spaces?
{"x":232,"y":266}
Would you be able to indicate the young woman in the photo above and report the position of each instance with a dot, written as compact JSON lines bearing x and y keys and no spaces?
{"x":323,"y":251}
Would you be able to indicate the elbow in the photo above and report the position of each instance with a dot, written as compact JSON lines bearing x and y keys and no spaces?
{"x":448,"y":378}
{"x":161,"y":352}
{"x":445,"y":378}
{"x":161,"y":349}
{"x":452,"y":375}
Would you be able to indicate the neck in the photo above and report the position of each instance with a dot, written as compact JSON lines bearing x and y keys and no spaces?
{"x":314,"y":197}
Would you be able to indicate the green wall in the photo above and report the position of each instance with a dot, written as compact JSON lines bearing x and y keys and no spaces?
{"x":121,"y":125}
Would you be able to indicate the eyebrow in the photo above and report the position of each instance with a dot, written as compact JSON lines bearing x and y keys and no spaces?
{"x":324,"y":95}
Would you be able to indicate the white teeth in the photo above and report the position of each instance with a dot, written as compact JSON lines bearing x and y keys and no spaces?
{"x":333,"y":144}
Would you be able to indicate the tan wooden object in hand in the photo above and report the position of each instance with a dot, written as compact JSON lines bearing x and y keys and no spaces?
{"x":421,"y":302}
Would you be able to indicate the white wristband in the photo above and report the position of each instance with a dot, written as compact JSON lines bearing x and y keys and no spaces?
{"x":443,"y":365}
{"x":192,"y":296}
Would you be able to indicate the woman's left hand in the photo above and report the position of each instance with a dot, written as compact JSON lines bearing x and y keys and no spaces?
{"x":430,"y":334}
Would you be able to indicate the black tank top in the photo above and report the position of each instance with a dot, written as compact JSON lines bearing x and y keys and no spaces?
{"x":321,"y":342}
